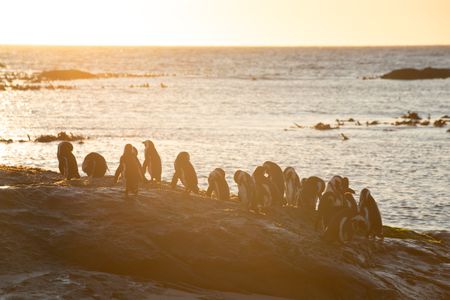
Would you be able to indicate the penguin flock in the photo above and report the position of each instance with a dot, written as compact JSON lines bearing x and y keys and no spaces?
{"x":338,"y":216}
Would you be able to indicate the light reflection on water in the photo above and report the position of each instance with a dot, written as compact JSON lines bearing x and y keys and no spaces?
{"x":214,"y":110}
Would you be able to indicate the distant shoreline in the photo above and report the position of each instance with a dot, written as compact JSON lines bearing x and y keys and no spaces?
{"x":225,"y":46}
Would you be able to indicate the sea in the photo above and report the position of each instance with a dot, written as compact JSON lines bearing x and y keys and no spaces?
{"x":237,"y":107}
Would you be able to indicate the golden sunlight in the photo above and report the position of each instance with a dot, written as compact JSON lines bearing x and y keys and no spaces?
{"x":226,"y":22}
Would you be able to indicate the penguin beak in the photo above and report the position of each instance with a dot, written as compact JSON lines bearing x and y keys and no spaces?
{"x":349,"y":190}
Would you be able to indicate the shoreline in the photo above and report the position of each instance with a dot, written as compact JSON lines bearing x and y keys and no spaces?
{"x":53,"y":226}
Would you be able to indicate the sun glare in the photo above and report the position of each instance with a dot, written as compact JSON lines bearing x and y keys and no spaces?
{"x":226,"y":22}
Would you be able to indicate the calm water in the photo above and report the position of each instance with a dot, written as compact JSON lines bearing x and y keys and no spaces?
{"x":214,"y":109}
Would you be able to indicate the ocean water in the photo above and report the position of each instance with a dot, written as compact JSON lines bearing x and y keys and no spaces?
{"x":235,"y":108}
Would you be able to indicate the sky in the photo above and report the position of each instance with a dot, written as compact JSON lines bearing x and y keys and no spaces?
{"x":226,"y":22}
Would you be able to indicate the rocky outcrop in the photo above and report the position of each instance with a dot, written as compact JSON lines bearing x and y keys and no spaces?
{"x":65,"y":75}
{"x":416,"y":74}
{"x":85,"y":239}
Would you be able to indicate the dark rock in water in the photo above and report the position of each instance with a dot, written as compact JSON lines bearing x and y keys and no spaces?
{"x":445,"y":117}
{"x":62,"y":136}
{"x":415,"y":74}
{"x":322,"y":126}
{"x":2,"y":65}
{"x":448,"y":130}
{"x":6,"y":141}
{"x":425,"y":123}
{"x":411,"y":115}
{"x":407,"y":123}
{"x":65,"y":75}
{"x":373,"y":123}
{"x":440,"y":123}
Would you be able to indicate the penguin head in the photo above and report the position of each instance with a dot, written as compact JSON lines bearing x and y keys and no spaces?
{"x":237,"y":176}
{"x":259,"y":174}
{"x":288,"y":173}
{"x":65,"y":147}
{"x":183,"y":157}
{"x":148,"y":144}
{"x":365,"y":193}
{"x":128,"y":149}
{"x":220,"y":171}
{"x":345,"y":186}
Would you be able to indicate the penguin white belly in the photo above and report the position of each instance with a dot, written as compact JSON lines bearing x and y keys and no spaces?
{"x":183,"y":178}
{"x":290,"y":192}
{"x":217,"y":189}
{"x":342,"y":235}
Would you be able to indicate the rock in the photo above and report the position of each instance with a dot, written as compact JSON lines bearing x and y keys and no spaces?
{"x":6,"y":141}
{"x":168,"y":237}
{"x":2,"y":65}
{"x":406,"y":122}
{"x":411,"y":115}
{"x":373,"y":123}
{"x":65,"y":75}
{"x":322,"y":126}
{"x":415,"y":74}
{"x":440,"y":123}
{"x":62,"y":136}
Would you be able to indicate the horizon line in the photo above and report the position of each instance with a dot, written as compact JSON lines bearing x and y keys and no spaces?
{"x":228,"y":45}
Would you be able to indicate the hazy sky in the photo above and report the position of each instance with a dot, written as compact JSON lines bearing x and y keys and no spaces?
{"x":225,"y":22}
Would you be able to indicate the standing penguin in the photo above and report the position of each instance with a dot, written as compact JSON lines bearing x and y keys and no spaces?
{"x":264,"y":195}
{"x":131,"y":169}
{"x":276,"y":177}
{"x":246,"y":189}
{"x":293,"y":186}
{"x":185,"y":171}
{"x":67,"y":162}
{"x":368,"y":209}
{"x":218,"y":184}
{"x":94,"y":165}
{"x":312,"y":189}
{"x":152,"y":161}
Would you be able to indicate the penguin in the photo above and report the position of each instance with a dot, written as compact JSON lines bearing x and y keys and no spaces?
{"x":246,"y":189}
{"x":312,"y":189}
{"x":152,"y":161}
{"x":218,"y":185}
{"x":185,"y":171}
{"x":340,"y":227}
{"x":94,"y":165}
{"x":264,"y":195}
{"x":131,"y":170}
{"x":336,"y":186}
{"x":67,"y":162}
{"x":293,"y":186}
{"x":276,"y":177}
{"x":326,"y":209}
{"x":368,"y":209}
